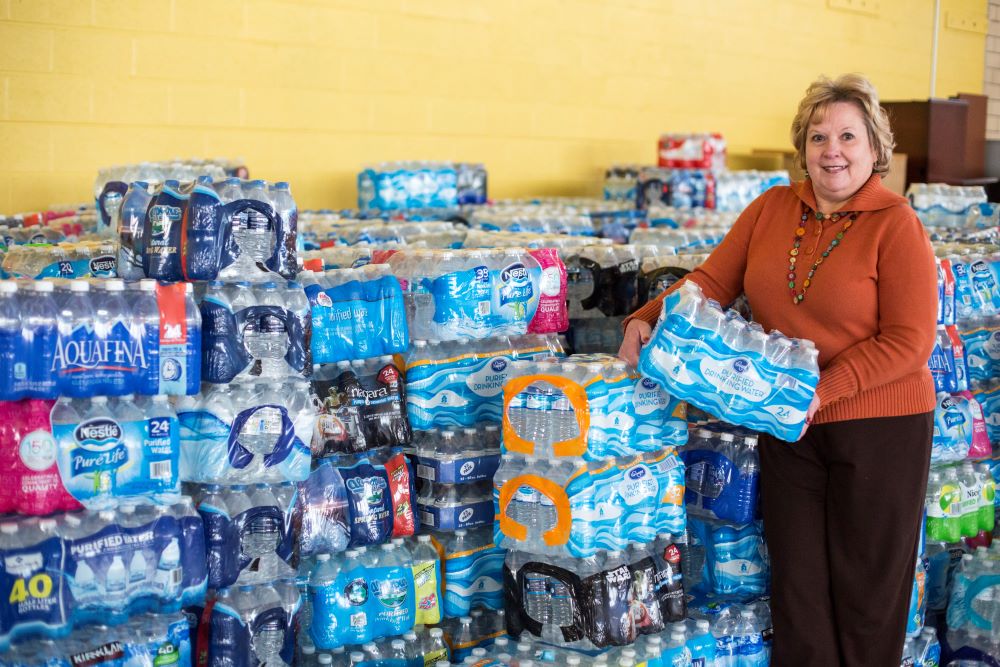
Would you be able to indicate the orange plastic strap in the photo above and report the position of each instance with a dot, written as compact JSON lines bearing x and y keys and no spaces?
{"x":555,"y":536}
{"x":577,"y":396}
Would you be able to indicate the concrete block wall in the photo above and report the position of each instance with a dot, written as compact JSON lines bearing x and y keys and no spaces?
{"x":545,"y":92}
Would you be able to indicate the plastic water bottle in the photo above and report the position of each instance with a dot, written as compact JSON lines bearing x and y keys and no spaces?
{"x":291,"y":600}
{"x":748,"y":465}
{"x":13,"y":362}
{"x":285,"y":207}
{"x":255,"y":238}
{"x":702,"y":645}
{"x":562,"y":603}
{"x":971,"y":491}
{"x":263,"y":531}
{"x":266,"y":336}
{"x":987,"y":498}
{"x":677,"y":651}
{"x":427,"y":581}
{"x":951,"y":488}
{"x":528,"y":499}
{"x":435,"y":649}
{"x":537,"y":598}
{"x":40,"y":318}
{"x":463,"y":635}
{"x":145,"y":330}
{"x":76,"y":342}
{"x":726,"y":642}
{"x":927,"y":649}
{"x":269,"y":636}
{"x":751,"y":644}
{"x":546,"y":510}
{"x":112,"y":321}
{"x":168,"y":575}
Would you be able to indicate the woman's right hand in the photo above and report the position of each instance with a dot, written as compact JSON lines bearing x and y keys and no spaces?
{"x":637,"y":334}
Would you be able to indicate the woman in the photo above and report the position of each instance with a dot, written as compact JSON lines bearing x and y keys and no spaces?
{"x":844,"y":262}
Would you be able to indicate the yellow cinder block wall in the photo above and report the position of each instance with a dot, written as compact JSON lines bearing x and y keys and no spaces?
{"x":545,"y":92}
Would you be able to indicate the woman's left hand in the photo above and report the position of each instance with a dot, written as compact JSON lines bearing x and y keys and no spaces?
{"x":810,"y":413}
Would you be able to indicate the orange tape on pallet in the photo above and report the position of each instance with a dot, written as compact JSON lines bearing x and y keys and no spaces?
{"x":555,"y":536}
{"x":577,"y":396}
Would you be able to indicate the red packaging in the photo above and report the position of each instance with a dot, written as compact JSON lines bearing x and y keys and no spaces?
{"x":403,"y":521}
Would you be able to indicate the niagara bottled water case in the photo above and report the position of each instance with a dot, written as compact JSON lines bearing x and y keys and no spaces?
{"x":718,"y":362}
{"x":362,"y":406}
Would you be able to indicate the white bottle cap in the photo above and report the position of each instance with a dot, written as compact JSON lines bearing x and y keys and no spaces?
{"x":79,"y":286}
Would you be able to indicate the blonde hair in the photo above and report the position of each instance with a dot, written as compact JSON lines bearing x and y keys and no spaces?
{"x":852,"y":88}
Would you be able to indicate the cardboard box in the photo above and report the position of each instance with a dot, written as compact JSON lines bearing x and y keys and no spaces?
{"x":895,"y":180}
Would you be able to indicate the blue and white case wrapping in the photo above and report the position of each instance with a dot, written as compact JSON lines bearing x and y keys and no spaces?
{"x":722,"y":365}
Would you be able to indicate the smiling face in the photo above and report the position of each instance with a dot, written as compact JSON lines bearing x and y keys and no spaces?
{"x":839,"y":155}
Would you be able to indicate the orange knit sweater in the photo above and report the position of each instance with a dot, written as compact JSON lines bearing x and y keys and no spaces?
{"x":871,"y":307}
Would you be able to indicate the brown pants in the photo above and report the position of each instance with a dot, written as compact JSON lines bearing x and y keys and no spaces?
{"x":842,"y":510}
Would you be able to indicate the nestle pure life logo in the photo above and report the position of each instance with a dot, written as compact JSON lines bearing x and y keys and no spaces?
{"x":515,"y":288}
{"x":99,"y":447}
{"x":953,"y":417}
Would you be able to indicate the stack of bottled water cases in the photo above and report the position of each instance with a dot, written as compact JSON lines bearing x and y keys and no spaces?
{"x":735,"y":190}
{"x":692,"y":151}
{"x":676,"y":187}
{"x":481,"y":293}
{"x":455,"y":401}
{"x":472,"y":566}
{"x":393,"y":186}
{"x":939,"y":205}
{"x":230,"y":230}
{"x":87,"y":424}
{"x":733,"y":369}
{"x":961,"y":499}
{"x":538,"y":218}
{"x":702,"y":238}
{"x":83,"y":259}
{"x":325,"y":233}
{"x":620,"y":181}
{"x":588,"y":494}
{"x":110,"y":182}
{"x":472,"y":314}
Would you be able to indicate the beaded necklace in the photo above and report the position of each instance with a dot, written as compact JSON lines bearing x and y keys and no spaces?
{"x":793,"y":254}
